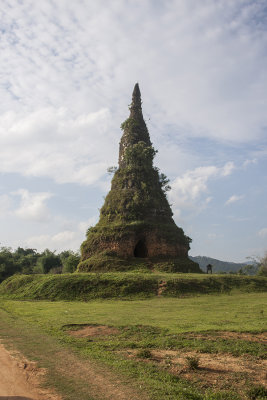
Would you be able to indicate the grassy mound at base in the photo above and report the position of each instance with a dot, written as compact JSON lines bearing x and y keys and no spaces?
{"x":105,"y":262}
{"x":83,"y":287}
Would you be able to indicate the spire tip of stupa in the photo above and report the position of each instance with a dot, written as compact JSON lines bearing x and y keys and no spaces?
{"x":136,"y":99}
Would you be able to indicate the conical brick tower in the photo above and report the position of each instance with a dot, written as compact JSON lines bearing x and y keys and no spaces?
{"x":135,"y":227}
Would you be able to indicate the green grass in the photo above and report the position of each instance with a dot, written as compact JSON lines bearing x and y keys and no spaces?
{"x":239,"y":312}
{"x":40,"y":328}
{"x":124,"y":285}
{"x":158,"y":323}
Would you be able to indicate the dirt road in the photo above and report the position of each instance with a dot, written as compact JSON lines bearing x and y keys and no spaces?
{"x":18,"y":379}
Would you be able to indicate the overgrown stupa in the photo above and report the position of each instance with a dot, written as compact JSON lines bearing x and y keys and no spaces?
{"x":135,"y":227}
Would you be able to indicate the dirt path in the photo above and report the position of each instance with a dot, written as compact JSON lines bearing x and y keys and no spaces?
{"x":19,"y":379}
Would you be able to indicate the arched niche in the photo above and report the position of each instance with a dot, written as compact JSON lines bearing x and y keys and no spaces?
{"x":140,"y":249}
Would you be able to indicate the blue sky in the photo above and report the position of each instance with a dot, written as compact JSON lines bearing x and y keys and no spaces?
{"x":67,"y":74}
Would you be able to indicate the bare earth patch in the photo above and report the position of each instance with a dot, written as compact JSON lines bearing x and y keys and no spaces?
{"x":250,"y":337}
{"x":217,"y":371}
{"x":21,"y":378}
{"x":94,"y":330}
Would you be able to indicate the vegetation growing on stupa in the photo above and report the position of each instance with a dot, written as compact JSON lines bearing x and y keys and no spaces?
{"x":137,"y":191}
{"x":136,"y":218}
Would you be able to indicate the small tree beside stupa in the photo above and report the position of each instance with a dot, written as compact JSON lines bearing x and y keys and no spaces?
{"x":136,"y":227}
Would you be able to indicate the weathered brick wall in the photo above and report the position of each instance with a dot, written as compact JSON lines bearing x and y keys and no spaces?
{"x":155,"y":243}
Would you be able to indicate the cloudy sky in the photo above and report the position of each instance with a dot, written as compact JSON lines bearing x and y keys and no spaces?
{"x":67,"y":71}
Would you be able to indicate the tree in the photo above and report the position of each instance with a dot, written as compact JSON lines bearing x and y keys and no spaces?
{"x":70,"y":262}
{"x":48,"y":261}
{"x":29,"y":261}
{"x":26,"y":259}
{"x":262,"y":271}
{"x":251,"y":269}
{"x":8,"y":265}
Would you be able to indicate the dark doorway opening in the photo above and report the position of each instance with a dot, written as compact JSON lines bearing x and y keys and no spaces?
{"x":140,"y":249}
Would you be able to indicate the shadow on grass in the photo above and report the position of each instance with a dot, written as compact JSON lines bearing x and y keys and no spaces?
{"x":15,"y":398}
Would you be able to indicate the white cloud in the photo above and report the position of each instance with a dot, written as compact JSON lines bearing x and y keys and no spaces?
{"x":234,"y":199}
{"x":249,"y":162}
{"x":51,"y":143}
{"x":228,"y":168}
{"x":63,"y":237}
{"x":63,"y":240}
{"x":33,"y":206}
{"x":187,"y":190}
{"x":5,"y":204}
{"x":66,"y":235}
{"x":208,"y":60}
{"x":263,"y":232}
{"x":67,"y":73}
{"x":84,"y":225}
{"x":193,"y":183}
{"x":212,"y":235}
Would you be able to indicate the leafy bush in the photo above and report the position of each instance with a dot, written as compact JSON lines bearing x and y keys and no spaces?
{"x":192,"y":362}
{"x":144,"y":353}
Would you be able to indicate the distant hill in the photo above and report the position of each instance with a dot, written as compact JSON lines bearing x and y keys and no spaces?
{"x":218,"y":266}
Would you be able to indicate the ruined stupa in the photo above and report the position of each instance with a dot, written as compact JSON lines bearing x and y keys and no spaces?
{"x":136,"y":227}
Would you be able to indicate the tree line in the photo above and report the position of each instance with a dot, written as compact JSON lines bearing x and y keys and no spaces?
{"x":29,"y":261}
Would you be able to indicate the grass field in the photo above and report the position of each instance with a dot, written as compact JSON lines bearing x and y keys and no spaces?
{"x":151,"y":343}
{"x":239,"y":312}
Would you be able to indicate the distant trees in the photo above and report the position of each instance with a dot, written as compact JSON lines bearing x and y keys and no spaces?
{"x":259,"y":266}
{"x":25,"y":259}
{"x":29,"y":261}
{"x":69,"y":261}
{"x":262,"y":271}
{"x":8,"y":264}
{"x":250,"y":269}
{"x":49,"y":261}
